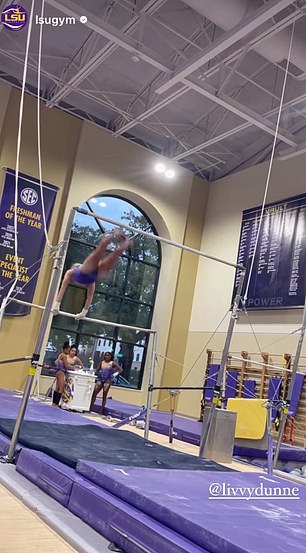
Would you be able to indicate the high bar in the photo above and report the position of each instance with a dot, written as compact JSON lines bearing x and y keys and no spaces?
{"x":159,"y":238}
{"x":89,"y":319}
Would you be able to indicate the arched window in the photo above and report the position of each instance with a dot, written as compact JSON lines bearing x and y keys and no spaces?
{"x":125,"y":296}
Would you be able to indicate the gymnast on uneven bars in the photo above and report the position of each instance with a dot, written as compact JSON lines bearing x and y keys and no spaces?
{"x":93,"y":268}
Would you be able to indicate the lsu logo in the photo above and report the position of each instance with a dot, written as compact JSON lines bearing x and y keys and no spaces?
{"x":29,"y":196}
{"x":14,"y":17}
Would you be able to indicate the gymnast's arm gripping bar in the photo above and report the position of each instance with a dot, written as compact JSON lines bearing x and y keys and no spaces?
{"x":89,"y":319}
{"x":159,"y":238}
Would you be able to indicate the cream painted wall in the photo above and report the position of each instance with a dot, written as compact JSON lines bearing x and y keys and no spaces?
{"x":5,"y":91}
{"x":228,"y":197}
{"x":105,"y":164}
{"x":60,"y":134}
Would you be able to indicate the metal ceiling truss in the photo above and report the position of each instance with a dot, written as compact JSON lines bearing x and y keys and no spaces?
{"x":171,"y":79}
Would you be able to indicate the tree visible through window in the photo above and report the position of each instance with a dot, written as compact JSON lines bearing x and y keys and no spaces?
{"x":125,"y":296}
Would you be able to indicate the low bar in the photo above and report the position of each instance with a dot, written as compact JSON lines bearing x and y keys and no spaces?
{"x":89,"y":319}
{"x":16,"y":360}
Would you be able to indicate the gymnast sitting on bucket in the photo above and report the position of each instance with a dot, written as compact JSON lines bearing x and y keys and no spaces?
{"x":93,"y":268}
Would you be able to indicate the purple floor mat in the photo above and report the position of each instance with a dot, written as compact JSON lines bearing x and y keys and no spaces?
{"x":189,"y":430}
{"x":113,"y":518}
{"x":126,"y":526}
{"x":185,"y":503}
{"x":37,"y":411}
{"x":48,"y":474}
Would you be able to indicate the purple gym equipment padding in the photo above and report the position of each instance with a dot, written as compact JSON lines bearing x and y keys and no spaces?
{"x":249,"y":387}
{"x":48,"y":474}
{"x":198,"y":506}
{"x":126,"y":526}
{"x":116,"y":520}
{"x":189,"y":430}
{"x":211,"y":382}
{"x":296,"y":393}
{"x":185,"y":429}
{"x":231,"y":384}
{"x":274,"y":390}
{"x":37,"y":411}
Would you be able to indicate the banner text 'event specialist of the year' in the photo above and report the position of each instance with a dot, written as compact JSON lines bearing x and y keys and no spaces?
{"x":31,"y":237}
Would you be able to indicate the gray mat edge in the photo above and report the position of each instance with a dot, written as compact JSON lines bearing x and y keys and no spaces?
{"x":68,"y":526}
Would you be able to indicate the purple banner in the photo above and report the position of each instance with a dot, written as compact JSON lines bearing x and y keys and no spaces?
{"x":31,"y":237}
{"x":278,"y":276}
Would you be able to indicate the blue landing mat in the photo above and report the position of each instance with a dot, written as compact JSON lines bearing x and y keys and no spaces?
{"x":211,"y":509}
{"x":69,"y":443}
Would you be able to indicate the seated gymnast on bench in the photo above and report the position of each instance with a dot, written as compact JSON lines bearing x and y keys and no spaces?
{"x":93,"y":268}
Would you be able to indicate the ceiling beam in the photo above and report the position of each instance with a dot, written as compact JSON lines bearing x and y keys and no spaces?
{"x":150,"y":8}
{"x":116,"y":36}
{"x":288,"y":20}
{"x":292,"y":152}
{"x":242,"y":111}
{"x":240,"y":31}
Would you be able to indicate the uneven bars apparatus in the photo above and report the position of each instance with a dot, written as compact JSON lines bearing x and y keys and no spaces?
{"x":287,"y":402}
{"x":234,"y":316}
{"x":57,"y":268}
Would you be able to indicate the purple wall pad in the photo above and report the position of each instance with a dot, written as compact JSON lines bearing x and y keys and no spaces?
{"x":231,"y":384}
{"x":48,"y":474}
{"x":211,"y":382}
{"x":189,"y":430}
{"x":182,"y":502}
{"x":249,"y":387}
{"x":296,"y":393}
{"x":130,"y":529}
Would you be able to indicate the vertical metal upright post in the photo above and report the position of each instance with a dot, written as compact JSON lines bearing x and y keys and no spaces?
{"x":270,"y":439}
{"x":57,"y":270}
{"x":151,"y":384}
{"x":286,"y":409}
{"x":221,"y":372}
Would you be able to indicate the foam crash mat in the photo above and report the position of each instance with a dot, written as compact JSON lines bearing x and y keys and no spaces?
{"x":200,"y":506}
{"x":110,"y":516}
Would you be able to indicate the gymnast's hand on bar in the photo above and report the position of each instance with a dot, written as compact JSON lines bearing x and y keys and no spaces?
{"x":81,"y":315}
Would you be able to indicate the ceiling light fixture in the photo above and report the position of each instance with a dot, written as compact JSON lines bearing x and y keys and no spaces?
{"x":169,"y":173}
{"x":160,"y":168}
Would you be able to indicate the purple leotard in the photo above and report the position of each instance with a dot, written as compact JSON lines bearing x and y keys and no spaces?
{"x":83,"y":278}
{"x":106,"y":374}
{"x":61,"y":367}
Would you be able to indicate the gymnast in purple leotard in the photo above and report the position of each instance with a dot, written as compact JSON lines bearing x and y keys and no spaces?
{"x":106,"y":370}
{"x":93,"y":269}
